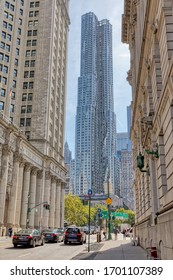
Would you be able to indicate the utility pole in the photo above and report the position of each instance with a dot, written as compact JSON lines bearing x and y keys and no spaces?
{"x":89,"y":217}
{"x":47,"y":206}
{"x":108,"y":206}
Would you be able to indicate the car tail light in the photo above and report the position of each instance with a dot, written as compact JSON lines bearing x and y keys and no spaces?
{"x":66,"y":233}
{"x":14,"y":236}
{"x":79,"y":234}
{"x":54,"y":234}
{"x":29,"y":237}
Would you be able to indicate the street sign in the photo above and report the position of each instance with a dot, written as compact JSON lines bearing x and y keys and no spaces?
{"x":90,"y":192}
{"x":108,"y":200}
{"x":104,"y":214}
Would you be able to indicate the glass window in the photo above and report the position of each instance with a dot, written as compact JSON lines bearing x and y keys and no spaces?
{"x":12,"y":108}
{"x":28,"y":121}
{"x":27,"y":63}
{"x":25,"y":85}
{"x":26,"y":74}
{"x":1,"y":106}
{"x":7,"y":47}
{"x":31,"y":74}
{"x":8,"y":37}
{"x":3,"y":35}
{"x":3,"y":91}
{"x":22,"y":122}
{"x":29,"y":109}
{"x":6,"y":58}
{"x":29,"y":96}
{"x":16,"y":62}
{"x":32,"y":63}
{"x":24,"y":95}
{"x":23,"y":109}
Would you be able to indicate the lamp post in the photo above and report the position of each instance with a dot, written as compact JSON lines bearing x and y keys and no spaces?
{"x":89,"y":215}
{"x":47,"y":206}
{"x":108,"y":206}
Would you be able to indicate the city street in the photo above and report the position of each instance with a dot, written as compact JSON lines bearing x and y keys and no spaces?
{"x":50,"y":251}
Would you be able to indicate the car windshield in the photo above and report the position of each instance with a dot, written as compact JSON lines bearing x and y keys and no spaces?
{"x":60,"y":230}
{"x":73,"y":230}
{"x":26,"y":231}
{"x":47,"y":230}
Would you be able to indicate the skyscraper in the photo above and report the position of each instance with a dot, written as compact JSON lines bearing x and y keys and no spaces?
{"x":33,"y":56}
{"x":95,"y":118}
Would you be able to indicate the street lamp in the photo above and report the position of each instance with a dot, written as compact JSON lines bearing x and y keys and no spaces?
{"x":108,"y":206}
{"x":89,"y":196}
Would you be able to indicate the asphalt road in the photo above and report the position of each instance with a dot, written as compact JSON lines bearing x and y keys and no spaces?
{"x":50,"y":251}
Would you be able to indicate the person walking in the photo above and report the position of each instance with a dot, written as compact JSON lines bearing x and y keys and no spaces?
{"x":115,"y":232}
{"x":10,"y":231}
{"x":104,"y":235}
{"x":124,"y":233}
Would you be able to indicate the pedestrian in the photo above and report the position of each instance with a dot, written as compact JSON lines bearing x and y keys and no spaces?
{"x":10,"y":231}
{"x":104,"y":235}
{"x":131,"y":233}
{"x":115,"y":232}
{"x":124,"y":233}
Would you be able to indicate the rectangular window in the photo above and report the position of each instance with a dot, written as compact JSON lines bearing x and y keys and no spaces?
{"x":26,"y":74}
{"x":22,"y":122}
{"x":24,"y":96}
{"x":23,"y":109}
{"x":16,"y":62}
{"x":27,"y":63}
{"x":1,"y":106}
{"x":31,"y":74}
{"x":29,"y":96}
{"x":28,"y":122}
{"x":3,"y":91}
{"x":29,"y":109}
{"x":32,"y":63}
{"x":12,"y":108}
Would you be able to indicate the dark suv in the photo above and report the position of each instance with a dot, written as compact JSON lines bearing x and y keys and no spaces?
{"x":74,"y":234}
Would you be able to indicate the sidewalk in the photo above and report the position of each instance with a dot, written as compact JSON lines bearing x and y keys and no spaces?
{"x":113,"y":250}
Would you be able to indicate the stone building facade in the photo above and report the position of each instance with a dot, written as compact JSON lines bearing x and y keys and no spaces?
{"x":147,"y":27}
{"x":33,"y":59}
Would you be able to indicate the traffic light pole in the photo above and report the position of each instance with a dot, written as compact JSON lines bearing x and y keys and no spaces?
{"x":109,"y":218}
{"x":29,"y":210}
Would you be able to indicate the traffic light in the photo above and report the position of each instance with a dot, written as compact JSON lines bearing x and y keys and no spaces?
{"x":46,"y":206}
{"x":140,"y":161}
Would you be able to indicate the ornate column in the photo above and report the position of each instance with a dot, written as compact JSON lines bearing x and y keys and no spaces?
{"x":25,"y":195}
{"x":32,"y":197}
{"x":3,"y":182}
{"x":57,"y":204}
{"x":14,"y":190}
{"x":46,"y":198}
{"x":19,"y":194}
{"x":39,"y":199}
{"x":52,"y":203}
{"x":62,"y":204}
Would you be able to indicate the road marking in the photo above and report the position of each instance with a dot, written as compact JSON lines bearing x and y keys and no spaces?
{"x":24,"y":255}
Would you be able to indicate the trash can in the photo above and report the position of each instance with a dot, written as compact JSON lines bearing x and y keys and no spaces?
{"x":98,"y":237}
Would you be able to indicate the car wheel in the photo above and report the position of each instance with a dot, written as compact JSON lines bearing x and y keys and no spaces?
{"x":15,"y":245}
{"x":85,"y":240}
{"x":65,"y":241}
{"x":33,"y":244}
{"x":81,"y":243}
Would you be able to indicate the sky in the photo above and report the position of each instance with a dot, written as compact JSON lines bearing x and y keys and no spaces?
{"x":103,"y":9}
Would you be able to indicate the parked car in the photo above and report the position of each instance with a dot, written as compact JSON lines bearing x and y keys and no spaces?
{"x":28,"y":237}
{"x":74,"y":235}
{"x":86,"y":229}
{"x":53,"y":235}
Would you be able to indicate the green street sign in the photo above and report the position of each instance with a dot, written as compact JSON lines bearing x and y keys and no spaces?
{"x":117,"y":215}
{"x":104,"y":214}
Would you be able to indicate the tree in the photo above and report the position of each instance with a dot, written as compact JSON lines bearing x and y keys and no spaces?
{"x":75,"y":212}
